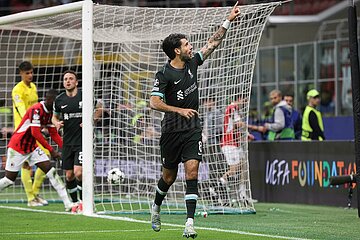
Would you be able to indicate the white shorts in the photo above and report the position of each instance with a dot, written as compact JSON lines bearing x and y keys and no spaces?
{"x":15,"y":160}
{"x":233,"y":154}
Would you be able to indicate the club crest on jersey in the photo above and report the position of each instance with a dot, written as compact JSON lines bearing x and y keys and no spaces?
{"x":80,"y":104}
{"x":180,"y":95}
{"x":156,"y":83}
{"x":17,"y":98}
{"x":190,"y":73}
{"x":36,"y":115}
{"x":66,"y":116}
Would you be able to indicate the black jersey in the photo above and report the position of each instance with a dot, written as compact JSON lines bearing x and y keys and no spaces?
{"x":70,"y":111}
{"x":179,"y":88}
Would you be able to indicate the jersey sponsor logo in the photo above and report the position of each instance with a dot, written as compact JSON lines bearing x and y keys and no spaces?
{"x":63,"y":106}
{"x":68,"y":116}
{"x":190,"y":89}
{"x":180,"y":95}
{"x":176,"y":82}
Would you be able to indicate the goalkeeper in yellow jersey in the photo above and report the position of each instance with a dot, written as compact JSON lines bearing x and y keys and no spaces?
{"x":24,"y":95}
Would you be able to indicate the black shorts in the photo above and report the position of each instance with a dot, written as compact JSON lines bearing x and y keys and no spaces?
{"x":71,"y":155}
{"x":179,"y":147}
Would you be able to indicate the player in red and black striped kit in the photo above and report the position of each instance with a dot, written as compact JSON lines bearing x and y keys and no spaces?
{"x":23,"y":146}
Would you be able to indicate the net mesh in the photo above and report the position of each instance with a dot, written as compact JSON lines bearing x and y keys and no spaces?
{"x":127,"y":53}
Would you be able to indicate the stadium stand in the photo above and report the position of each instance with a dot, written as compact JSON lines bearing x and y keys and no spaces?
{"x":296,"y":7}
{"x":305,"y":7}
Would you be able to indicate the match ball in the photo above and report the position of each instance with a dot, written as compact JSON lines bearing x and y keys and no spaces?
{"x":115,"y":176}
{"x":202,"y":214}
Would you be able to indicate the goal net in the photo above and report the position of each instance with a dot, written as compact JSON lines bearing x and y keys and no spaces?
{"x":126,"y":55}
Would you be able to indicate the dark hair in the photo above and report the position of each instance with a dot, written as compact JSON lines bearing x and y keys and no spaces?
{"x":25,"y":66}
{"x":171,"y":42}
{"x":289,"y":95}
{"x":51,"y":93}
{"x":72,"y":72}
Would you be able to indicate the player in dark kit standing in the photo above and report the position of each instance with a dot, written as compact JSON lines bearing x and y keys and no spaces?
{"x":181,"y":141}
{"x":23,"y":147}
{"x":68,"y":108}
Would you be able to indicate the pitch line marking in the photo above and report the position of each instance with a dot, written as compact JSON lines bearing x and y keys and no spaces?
{"x":127,"y":219}
{"x":90,"y":231}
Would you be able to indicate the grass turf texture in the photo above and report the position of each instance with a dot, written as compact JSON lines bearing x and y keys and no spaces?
{"x":271,"y":220}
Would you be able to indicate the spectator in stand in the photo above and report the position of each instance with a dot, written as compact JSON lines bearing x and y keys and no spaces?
{"x":327,"y":105}
{"x":281,"y":126}
{"x":295,"y":116}
{"x":4,"y":8}
{"x":312,"y":124}
{"x":17,"y":6}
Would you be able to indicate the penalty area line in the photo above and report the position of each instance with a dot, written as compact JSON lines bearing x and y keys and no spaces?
{"x":127,"y":219}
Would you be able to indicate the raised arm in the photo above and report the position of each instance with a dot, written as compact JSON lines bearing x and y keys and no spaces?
{"x":219,"y":35}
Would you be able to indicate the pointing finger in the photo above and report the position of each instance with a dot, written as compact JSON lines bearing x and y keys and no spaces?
{"x":236,"y":4}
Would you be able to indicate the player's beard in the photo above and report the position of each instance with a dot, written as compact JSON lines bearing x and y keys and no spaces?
{"x":185,"y":57}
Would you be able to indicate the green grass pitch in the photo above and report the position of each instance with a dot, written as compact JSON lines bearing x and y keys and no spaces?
{"x":272,"y":221}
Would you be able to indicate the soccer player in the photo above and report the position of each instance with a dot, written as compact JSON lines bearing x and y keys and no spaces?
{"x":23,"y":147}
{"x":24,"y":95}
{"x":233,"y":134}
{"x":181,"y":141}
{"x":68,"y":108}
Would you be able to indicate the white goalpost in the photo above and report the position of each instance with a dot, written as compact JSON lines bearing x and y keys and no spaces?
{"x":116,"y":51}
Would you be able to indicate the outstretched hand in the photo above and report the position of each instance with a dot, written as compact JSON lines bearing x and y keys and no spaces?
{"x":235,"y":11}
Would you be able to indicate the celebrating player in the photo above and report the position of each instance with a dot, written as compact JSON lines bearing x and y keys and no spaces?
{"x":181,"y":131}
{"x":232,"y":137}
{"x":68,"y":107}
{"x":24,"y":95}
{"x":23,"y":146}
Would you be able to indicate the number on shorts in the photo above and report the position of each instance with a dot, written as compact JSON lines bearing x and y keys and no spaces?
{"x":80,"y":157}
{"x":200,"y":147}
{"x":39,"y":151}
